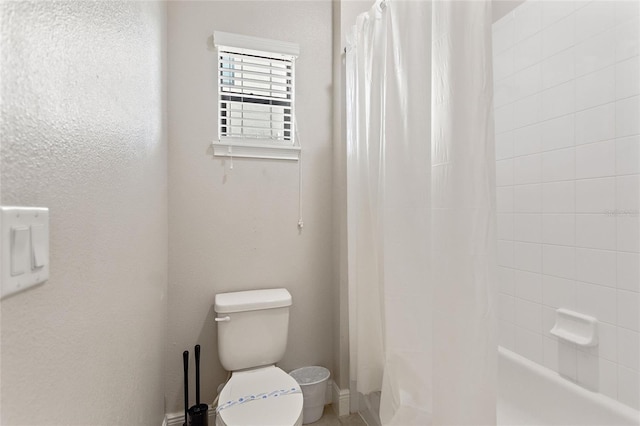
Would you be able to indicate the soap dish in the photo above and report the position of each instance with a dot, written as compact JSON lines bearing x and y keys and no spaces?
{"x":576,"y":328}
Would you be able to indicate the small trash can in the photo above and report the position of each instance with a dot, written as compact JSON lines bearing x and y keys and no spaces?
{"x":313,"y":382}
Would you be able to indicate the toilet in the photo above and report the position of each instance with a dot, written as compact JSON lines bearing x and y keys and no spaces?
{"x":252,"y":336}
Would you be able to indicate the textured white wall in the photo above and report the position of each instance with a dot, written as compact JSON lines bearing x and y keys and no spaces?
{"x":236,"y":229}
{"x":82,"y":130}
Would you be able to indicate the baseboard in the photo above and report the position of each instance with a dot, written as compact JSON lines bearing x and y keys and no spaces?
{"x":340,"y":400}
{"x":177,"y":419}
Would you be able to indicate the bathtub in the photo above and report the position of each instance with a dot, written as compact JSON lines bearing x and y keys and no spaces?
{"x":529,"y":394}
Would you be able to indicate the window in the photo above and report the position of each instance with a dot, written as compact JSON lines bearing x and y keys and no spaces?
{"x":256,"y":97}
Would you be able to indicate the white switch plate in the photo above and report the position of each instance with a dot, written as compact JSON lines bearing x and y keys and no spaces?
{"x":14,"y":220}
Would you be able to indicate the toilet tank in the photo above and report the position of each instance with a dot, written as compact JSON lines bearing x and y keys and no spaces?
{"x":252,"y":327}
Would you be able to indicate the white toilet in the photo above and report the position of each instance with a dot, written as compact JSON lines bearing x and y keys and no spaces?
{"x":252,"y":336}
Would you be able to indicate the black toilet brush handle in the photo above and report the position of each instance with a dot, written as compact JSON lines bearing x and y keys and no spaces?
{"x":185,"y":362}
{"x":198,"y":374}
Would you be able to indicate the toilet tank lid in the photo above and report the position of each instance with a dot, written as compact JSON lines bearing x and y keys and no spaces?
{"x":252,"y":300}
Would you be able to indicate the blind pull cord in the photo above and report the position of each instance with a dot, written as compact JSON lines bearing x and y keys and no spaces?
{"x":297,"y":135}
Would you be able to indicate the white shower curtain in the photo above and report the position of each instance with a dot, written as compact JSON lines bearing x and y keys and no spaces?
{"x":421,"y":211}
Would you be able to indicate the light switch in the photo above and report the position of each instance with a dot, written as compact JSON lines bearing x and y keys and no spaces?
{"x":39,"y":247}
{"x":19,"y":250}
{"x":24,"y":247}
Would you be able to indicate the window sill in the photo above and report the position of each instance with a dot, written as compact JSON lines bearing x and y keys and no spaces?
{"x":255,"y":150}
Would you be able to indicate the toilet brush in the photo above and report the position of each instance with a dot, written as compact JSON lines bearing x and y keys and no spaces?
{"x":198,"y":414}
{"x":185,"y":363}
{"x":197,"y":374}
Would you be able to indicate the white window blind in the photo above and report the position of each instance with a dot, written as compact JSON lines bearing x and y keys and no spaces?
{"x":256,"y":97}
{"x":256,"y":93}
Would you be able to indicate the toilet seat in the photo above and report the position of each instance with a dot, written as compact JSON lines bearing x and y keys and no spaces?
{"x":264,"y":396}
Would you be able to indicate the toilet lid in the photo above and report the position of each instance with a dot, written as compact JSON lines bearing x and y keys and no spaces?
{"x":265,"y":396}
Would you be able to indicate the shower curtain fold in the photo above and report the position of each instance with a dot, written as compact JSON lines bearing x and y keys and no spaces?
{"x":421,"y":211}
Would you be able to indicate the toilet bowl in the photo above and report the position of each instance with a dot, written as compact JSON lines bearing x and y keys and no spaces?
{"x":252,"y":336}
{"x":260,"y":397}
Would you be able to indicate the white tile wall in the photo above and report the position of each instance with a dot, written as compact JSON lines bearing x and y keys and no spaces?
{"x":504,"y":146}
{"x":560,"y":35}
{"x":528,"y":286}
{"x":608,"y":378}
{"x":627,"y":111}
{"x":559,"y":261}
{"x":506,"y":280}
{"x":593,"y":18}
{"x":559,"y":229}
{"x":552,"y":13}
{"x":558,"y":100}
{"x":627,"y":83}
{"x":527,"y":227}
{"x":596,"y":231}
{"x":558,"y":69}
{"x":527,"y":198}
{"x":527,"y":256}
{"x":558,"y":133}
{"x":627,"y":39}
{"x":628,"y":155}
{"x":629,"y":355}
{"x":595,"y":88}
{"x":528,"y":20}
{"x":628,"y":271}
{"x":567,"y":97}
{"x":529,"y":52}
{"x":595,"y":160}
{"x":628,"y":229}
{"x":558,"y":197}
{"x":526,"y":169}
{"x":595,"y":53}
{"x":608,"y":342}
{"x":558,"y":293}
{"x":527,"y":82}
{"x":528,"y":140}
{"x":527,"y":111}
{"x":596,"y":124}
{"x":558,"y":165}
{"x":504,"y":199}
{"x":567,"y":360}
{"x":595,"y":195}
{"x":628,"y":386}
{"x":628,"y":192}
{"x":596,"y":266}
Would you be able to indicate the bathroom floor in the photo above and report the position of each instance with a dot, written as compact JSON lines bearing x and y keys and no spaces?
{"x":330,"y":418}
